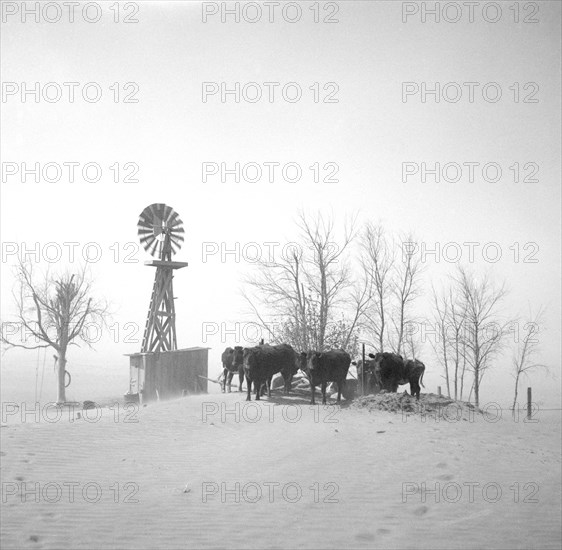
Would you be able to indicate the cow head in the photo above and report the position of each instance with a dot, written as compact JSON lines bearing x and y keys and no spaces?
{"x":313,"y":360}
{"x":238,"y":357}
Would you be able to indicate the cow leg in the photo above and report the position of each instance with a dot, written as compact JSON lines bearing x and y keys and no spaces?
{"x":249,"y":384}
{"x":285,"y":385}
{"x":341,"y":386}
{"x":258,"y":384}
{"x":415,"y":390}
{"x":269,"y":386}
{"x":312,"y":389}
{"x":324,"y":384}
{"x":240,"y":378}
{"x":230,"y":375}
{"x":224,"y":375}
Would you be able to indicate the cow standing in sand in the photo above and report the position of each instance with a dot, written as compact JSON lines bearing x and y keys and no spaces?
{"x":393,"y":371}
{"x":413,"y":373}
{"x":260,"y":363}
{"x":324,"y":367}
{"x":229,"y":368}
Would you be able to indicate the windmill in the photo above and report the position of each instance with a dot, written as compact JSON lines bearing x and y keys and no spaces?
{"x":161,"y":232}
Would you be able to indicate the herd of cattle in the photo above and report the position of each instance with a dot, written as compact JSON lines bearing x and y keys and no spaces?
{"x":258,"y":365}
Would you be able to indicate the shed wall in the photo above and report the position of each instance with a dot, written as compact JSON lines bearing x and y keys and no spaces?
{"x":169,"y":374}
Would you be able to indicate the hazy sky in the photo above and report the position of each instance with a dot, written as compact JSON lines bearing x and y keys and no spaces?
{"x":369,"y":133}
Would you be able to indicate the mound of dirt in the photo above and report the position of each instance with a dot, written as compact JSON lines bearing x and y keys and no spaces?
{"x":429,"y":404}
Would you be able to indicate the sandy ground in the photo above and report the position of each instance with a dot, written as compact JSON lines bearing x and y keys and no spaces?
{"x":170,"y":474}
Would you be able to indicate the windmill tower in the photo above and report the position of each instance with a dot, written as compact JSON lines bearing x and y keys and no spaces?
{"x":160,"y":231}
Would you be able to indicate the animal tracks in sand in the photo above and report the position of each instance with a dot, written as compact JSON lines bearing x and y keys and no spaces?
{"x":445,"y":477}
{"x":365,"y":536}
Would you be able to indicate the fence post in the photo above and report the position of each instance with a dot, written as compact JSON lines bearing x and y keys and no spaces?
{"x":529,"y":399}
{"x":439,"y":391}
{"x":363,"y":372}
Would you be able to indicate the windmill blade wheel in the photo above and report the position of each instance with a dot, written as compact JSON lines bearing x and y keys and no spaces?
{"x":160,"y":230}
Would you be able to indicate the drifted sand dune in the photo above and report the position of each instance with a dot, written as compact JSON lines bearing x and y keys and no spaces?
{"x":169,"y":477}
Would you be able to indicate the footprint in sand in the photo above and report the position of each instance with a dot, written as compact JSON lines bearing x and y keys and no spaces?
{"x":441,"y":465}
{"x":365,"y":536}
{"x":19,"y":478}
{"x":446,"y":477}
{"x":383,"y":531}
{"x":421,"y":510}
{"x":34,"y":538}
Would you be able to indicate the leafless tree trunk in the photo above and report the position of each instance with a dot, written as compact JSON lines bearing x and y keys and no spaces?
{"x":305,"y":290}
{"x":440,"y":348}
{"x":526,"y":350}
{"x":377,"y":260}
{"x":405,"y":288}
{"x":55,"y":313}
{"x":463,"y":355}
{"x":484,"y":333}
{"x":450,"y":320}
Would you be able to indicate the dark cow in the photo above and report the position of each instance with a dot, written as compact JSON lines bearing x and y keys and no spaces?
{"x":262,"y":362}
{"x":291,"y":369}
{"x":230,"y":367}
{"x":413,"y":371}
{"x":327,"y":366}
{"x":393,"y":371}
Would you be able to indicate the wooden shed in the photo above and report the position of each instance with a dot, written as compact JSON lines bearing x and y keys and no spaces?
{"x":168,"y":374}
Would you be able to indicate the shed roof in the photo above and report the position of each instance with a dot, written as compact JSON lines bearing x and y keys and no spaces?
{"x":195,"y":348}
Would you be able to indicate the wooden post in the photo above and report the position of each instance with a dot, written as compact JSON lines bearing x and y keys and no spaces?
{"x":363,"y":372}
{"x":529,"y":408}
{"x":261,"y":342}
{"x":439,"y":391}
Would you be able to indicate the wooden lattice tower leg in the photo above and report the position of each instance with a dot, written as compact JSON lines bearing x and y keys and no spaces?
{"x":160,"y":328}
{"x":161,"y":233}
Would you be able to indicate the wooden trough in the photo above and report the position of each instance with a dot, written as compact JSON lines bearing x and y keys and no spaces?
{"x":167,"y":374}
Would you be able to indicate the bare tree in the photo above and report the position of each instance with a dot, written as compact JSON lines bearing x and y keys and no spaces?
{"x":450,"y":319}
{"x":411,"y":344}
{"x":483,"y":334}
{"x":328,"y":273}
{"x":395,"y":285}
{"x":526,"y":351}
{"x":54,"y":313}
{"x":377,"y":261}
{"x":405,"y":289}
{"x":308,"y":289}
{"x":456,"y":322}
{"x":440,"y":344}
